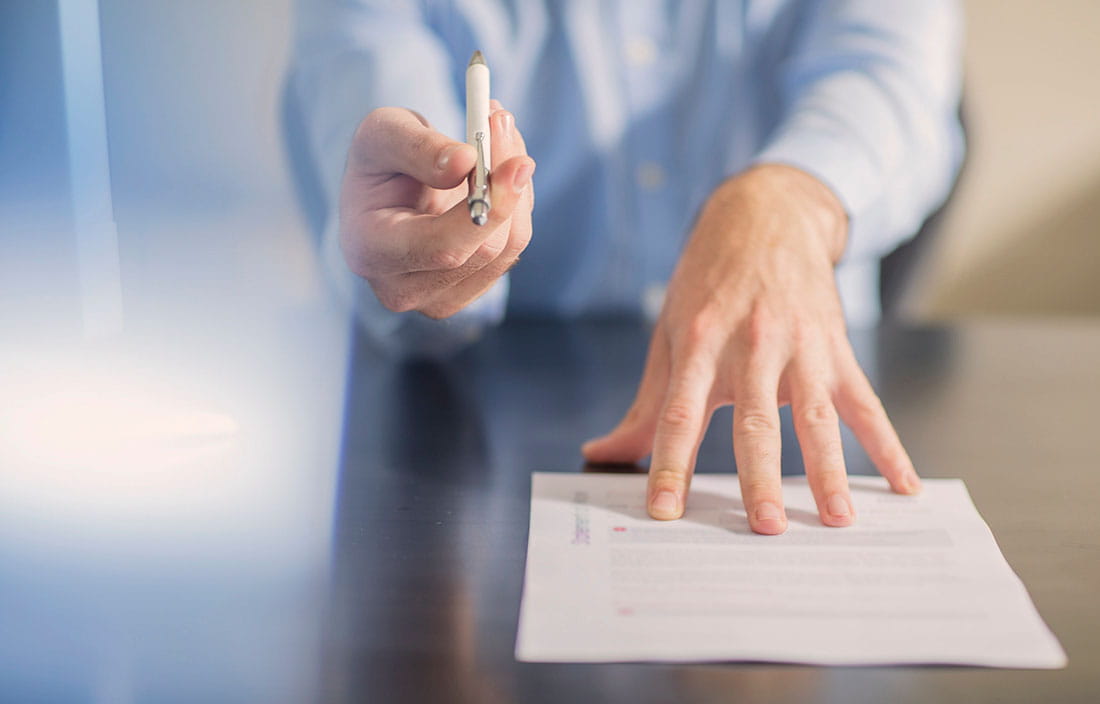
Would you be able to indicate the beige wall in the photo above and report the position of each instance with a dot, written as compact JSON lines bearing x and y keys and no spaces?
{"x":1023,"y":234}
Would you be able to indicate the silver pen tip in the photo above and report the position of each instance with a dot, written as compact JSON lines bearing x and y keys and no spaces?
{"x":477,"y":58}
{"x":479,"y":213}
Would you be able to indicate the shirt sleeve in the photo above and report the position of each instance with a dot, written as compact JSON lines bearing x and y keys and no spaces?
{"x":870,"y":95}
{"x":350,"y":57}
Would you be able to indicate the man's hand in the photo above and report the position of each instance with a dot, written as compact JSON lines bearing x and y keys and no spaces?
{"x":753,"y":318}
{"x":404,"y":223}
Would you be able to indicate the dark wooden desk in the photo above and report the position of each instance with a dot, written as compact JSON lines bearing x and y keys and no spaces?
{"x":431,"y":520}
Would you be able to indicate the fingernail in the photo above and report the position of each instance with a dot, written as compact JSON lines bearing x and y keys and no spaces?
{"x":445,"y":156}
{"x":523,"y":176}
{"x":766,"y":511}
{"x":838,"y":506}
{"x":665,"y":505}
{"x":503,"y":129}
{"x":587,"y":445}
{"x":507,"y":124}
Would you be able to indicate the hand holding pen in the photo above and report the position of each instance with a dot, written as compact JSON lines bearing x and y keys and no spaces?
{"x":406,"y":216}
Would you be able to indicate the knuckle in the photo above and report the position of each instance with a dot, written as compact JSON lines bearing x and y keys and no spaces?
{"x":518,"y":240}
{"x":397,"y":300}
{"x":440,"y":311}
{"x":677,"y":416}
{"x":447,"y":258}
{"x":759,"y":328}
{"x":489,"y":250}
{"x":356,"y":252}
{"x":358,"y":263}
{"x":756,"y":422}
{"x":523,"y":239}
{"x":868,"y":408}
{"x":369,"y":124}
{"x":375,"y":121}
{"x":698,"y":332}
{"x":804,"y":337}
{"x":816,"y":414}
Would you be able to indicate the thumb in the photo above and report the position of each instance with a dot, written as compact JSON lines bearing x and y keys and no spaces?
{"x":629,"y":442}
{"x":633,"y":438}
{"x":398,"y":141}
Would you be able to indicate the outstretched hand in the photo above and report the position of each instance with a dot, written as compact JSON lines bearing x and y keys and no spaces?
{"x":753,"y":318}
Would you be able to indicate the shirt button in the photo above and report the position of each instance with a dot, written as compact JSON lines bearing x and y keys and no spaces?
{"x":641,"y":51}
{"x":650,"y":176}
{"x":653,"y":299}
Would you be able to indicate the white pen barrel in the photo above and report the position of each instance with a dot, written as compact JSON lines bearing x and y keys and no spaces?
{"x":477,"y":108}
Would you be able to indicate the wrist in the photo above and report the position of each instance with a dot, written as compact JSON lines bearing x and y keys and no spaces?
{"x":778,"y":188}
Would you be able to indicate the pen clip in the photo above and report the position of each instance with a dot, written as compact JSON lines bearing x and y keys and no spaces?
{"x":479,"y":187}
{"x":482,"y":169}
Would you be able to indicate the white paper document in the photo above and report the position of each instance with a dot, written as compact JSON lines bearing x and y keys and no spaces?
{"x":916,"y":580}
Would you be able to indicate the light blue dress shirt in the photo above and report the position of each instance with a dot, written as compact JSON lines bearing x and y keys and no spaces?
{"x":635,"y":110}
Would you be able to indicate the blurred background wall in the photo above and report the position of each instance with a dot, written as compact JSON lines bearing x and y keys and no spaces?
{"x":192,"y":100}
{"x":193,"y":92}
{"x":37,"y":253}
{"x":193,"y":112}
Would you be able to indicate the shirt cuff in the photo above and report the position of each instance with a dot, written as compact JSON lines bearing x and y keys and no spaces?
{"x":853,"y":163}
{"x":848,"y":174}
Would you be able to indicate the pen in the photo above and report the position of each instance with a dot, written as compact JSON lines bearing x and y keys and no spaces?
{"x":477,"y":135}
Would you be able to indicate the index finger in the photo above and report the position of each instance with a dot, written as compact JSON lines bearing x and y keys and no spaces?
{"x":680,"y":427}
